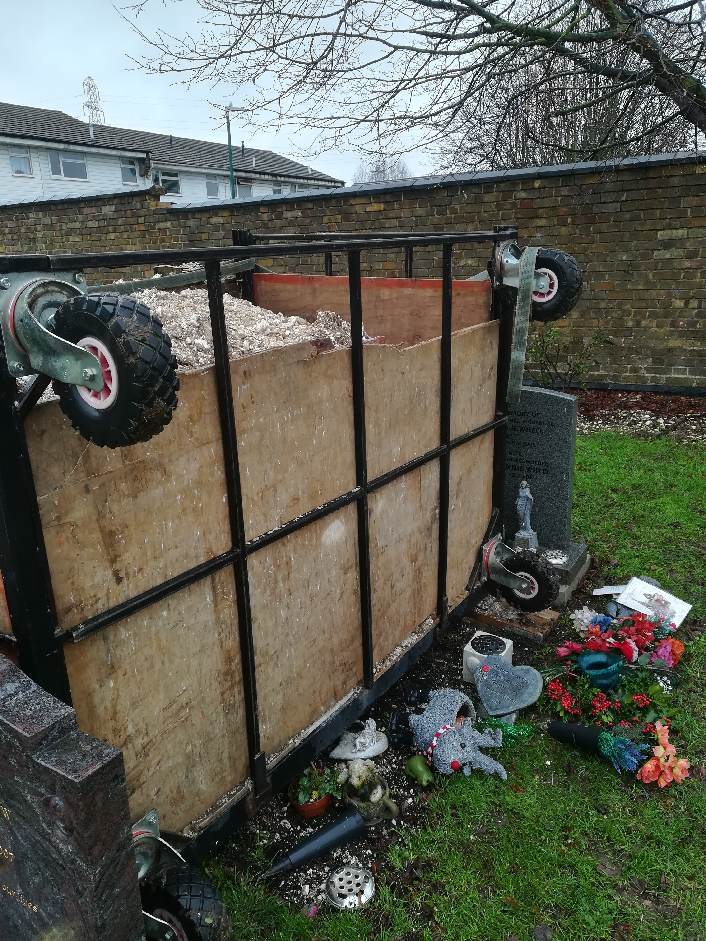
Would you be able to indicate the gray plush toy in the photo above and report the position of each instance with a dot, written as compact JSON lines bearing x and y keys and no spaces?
{"x":445,"y":734}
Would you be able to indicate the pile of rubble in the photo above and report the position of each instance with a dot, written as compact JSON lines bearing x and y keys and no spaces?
{"x":250,"y":329}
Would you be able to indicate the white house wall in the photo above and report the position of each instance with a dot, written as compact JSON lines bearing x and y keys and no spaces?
{"x":103,"y":170}
{"x":104,"y":176}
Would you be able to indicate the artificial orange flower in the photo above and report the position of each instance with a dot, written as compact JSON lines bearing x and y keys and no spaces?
{"x":664,"y":767}
{"x":650,"y":771}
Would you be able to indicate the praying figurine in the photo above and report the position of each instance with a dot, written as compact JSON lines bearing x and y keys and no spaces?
{"x":525,"y":537}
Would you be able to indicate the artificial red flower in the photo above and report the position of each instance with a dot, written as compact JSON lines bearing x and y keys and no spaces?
{"x":642,"y":700}
{"x":569,"y":704}
{"x":555,"y":690}
{"x":628,"y":648}
{"x":598,"y":643}
{"x":568,"y":648}
{"x":600,"y":703}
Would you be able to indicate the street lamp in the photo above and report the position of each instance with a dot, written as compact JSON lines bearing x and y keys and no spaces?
{"x":231,"y":173}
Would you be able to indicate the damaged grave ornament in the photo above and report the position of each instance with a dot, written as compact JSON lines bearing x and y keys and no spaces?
{"x":504,"y":688}
{"x":362,"y":740}
{"x":445,"y":734}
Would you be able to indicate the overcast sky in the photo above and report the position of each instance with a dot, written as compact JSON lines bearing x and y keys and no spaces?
{"x":48,"y":47}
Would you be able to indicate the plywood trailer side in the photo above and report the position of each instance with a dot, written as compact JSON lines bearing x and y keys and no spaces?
{"x":165,"y":684}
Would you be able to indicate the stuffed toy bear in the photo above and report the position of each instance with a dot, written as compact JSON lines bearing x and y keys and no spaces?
{"x":444,"y":733}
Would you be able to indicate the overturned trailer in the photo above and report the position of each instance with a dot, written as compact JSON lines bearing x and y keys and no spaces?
{"x":221,"y":600}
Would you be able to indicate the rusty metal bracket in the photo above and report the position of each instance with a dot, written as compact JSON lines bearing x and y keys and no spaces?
{"x":27,"y":308}
{"x":495,"y":553}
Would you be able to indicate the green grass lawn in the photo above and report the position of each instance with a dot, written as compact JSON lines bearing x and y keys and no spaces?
{"x":565,"y":848}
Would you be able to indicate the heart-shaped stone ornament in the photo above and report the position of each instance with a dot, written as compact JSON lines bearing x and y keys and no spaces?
{"x":504,"y":688}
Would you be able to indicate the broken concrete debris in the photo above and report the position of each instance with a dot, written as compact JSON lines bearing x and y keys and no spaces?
{"x":250,"y":329}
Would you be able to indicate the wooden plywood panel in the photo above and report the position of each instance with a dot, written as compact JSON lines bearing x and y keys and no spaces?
{"x":400,"y":310}
{"x":402,"y":394}
{"x":306,"y":625}
{"x":117,"y":522}
{"x":164,"y":686}
{"x":474,"y":354}
{"x":295,"y":432}
{"x":470,"y":506}
{"x":401,"y":403}
{"x":404,"y":533}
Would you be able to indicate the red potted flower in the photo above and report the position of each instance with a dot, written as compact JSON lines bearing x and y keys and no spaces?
{"x":313,"y":792}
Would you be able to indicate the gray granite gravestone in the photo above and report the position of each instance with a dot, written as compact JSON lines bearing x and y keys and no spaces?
{"x":541,"y":444}
{"x":67,"y":868}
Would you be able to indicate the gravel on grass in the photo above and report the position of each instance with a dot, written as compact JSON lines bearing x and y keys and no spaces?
{"x":642,"y":414}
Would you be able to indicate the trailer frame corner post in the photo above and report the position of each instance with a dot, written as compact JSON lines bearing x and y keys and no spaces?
{"x":245,"y":237}
{"x":23,"y":554}
{"x":361,"y":464}
{"x":504,"y":309}
{"x":442,"y":601}
{"x":224,"y":385}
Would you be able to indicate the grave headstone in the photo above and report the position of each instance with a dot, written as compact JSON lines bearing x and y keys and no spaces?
{"x":67,"y":868}
{"x":540,"y":449}
{"x":541,"y":441}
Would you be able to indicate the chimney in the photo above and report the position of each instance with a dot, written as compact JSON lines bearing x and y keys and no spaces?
{"x":242,"y":149}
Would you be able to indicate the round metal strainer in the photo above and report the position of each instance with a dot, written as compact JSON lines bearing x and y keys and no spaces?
{"x":350,"y":887}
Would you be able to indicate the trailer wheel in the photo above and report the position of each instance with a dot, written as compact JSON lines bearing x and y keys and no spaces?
{"x":189,"y":904}
{"x":564,"y":285}
{"x":544,"y":588}
{"x":140,"y":384}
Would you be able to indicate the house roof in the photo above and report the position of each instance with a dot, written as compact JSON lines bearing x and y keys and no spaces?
{"x":57,"y":127}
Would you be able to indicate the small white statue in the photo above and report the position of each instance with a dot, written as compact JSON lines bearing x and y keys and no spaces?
{"x":525,"y":537}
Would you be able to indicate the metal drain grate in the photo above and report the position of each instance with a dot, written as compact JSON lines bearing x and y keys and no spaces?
{"x":350,"y":887}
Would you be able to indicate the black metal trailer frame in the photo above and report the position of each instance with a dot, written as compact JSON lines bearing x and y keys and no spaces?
{"x":23,"y":557}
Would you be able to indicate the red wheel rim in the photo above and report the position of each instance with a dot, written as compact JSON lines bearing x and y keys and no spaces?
{"x":101,"y":398}
{"x":532,"y":589}
{"x":541,"y":297}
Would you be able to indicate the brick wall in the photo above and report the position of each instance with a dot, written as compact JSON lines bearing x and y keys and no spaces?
{"x":638,"y":231}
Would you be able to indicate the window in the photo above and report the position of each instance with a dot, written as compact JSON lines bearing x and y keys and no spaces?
{"x":128,"y":170}
{"x":213,"y":189}
{"x":276,"y":189}
{"x":169,"y":181}
{"x":20,"y":161}
{"x":244,"y":190}
{"x":72,"y":166}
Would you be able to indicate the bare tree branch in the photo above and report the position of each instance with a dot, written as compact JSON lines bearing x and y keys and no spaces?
{"x":488,"y":81}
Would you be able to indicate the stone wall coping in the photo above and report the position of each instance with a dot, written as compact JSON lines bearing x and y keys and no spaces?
{"x":439,"y":181}
{"x":411,"y":184}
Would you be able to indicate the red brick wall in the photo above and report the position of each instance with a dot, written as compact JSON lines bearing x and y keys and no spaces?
{"x":638,"y":232}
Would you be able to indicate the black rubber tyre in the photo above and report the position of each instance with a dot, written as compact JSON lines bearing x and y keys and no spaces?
{"x":186,"y":897}
{"x":147,"y":382}
{"x":568,"y":282}
{"x":546,"y":584}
